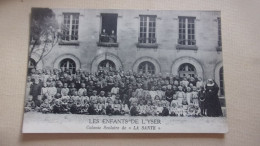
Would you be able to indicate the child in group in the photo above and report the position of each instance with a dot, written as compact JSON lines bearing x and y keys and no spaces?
{"x":100,"y":107}
{"x":44,"y":89}
{"x":93,"y":98}
{"x":165,"y":102}
{"x":173,"y":108}
{"x":125,"y":110}
{"x":134,"y":110}
{"x":72,"y":89}
{"x":117,"y":107}
{"x":64,"y":103}
{"x":199,"y":83}
{"x":45,"y":107}
{"x":185,"y":82}
{"x":65,"y":89}
{"x":201,"y":98}
{"x":85,"y":105}
{"x":149,"y":108}
{"x":52,"y":90}
{"x":184,"y":106}
{"x":109,"y":108}
{"x":180,"y":95}
{"x":102,"y":97}
{"x":159,"y":108}
{"x":195,"y":98}
{"x":29,"y":105}
{"x":84,"y":98}
{"x":115,"y":89}
{"x":169,"y":93}
{"x":92,"y":109}
{"x":142,"y":108}
{"x":165,"y":111}
{"x":189,"y":96}
{"x":56,"y":108}
{"x":153,"y":93}
{"x":82,"y":89}
{"x":139,"y":91}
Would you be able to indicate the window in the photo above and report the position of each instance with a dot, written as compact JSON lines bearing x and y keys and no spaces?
{"x":187,"y":31}
{"x":221,"y":81}
{"x":187,"y":69}
{"x":146,"y":67}
{"x":68,"y":64}
{"x":107,"y":65}
{"x":147,"y":29}
{"x":71,"y":27}
{"x":108,"y":35}
{"x":219,"y":32}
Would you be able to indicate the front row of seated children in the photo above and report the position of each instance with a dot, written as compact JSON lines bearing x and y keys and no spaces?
{"x":181,"y":105}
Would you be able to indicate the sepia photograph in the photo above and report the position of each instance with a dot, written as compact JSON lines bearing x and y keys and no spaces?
{"x":124,"y":71}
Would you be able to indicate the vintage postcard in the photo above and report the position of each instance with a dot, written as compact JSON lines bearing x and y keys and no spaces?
{"x":124,"y":71}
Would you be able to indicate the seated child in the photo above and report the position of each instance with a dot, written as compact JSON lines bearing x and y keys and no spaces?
{"x":134,"y":110}
{"x":29,"y":105}
{"x":109,"y":108}
{"x":85,"y":105}
{"x":45,"y":107}
{"x":64,"y":103}
{"x":125,"y":110}
{"x":65,"y":89}
{"x":165,"y":111}
{"x":56,"y":108}
{"x":117,"y":107}
{"x":142,"y":108}
{"x":159,"y":108}
{"x":92,"y":109}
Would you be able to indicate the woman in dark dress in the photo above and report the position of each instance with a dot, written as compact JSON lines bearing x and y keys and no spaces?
{"x":213,"y":107}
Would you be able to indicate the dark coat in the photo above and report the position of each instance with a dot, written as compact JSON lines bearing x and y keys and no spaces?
{"x":212,"y":103}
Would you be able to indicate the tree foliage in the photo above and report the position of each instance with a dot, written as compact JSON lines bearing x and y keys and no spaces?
{"x":44,"y":34}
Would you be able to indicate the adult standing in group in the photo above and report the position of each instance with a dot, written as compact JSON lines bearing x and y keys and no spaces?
{"x":213,"y":107}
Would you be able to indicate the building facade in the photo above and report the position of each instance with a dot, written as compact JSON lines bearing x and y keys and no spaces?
{"x":175,"y":42}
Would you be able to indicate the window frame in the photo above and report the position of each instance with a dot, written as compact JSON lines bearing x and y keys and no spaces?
{"x":67,"y":60}
{"x":71,"y":17}
{"x":219,"y":47}
{"x":186,"y":65}
{"x":146,"y":67}
{"x":189,"y":30}
{"x":149,"y":42}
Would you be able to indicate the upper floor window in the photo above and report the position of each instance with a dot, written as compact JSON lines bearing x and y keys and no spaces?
{"x":147,"y":35}
{"x":219,"y":32}
{"x":108,"y":35}
{"x":71,"y":24}
{"x":147,"y":29}
{"x":187,"y":31}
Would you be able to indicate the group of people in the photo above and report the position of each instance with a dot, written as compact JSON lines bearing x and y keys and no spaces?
{"x":111,"y":92}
